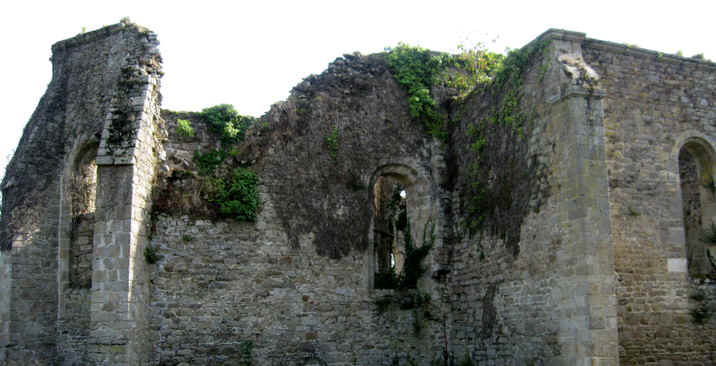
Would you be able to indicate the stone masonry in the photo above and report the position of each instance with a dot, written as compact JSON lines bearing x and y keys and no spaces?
{"x":600,"y":251}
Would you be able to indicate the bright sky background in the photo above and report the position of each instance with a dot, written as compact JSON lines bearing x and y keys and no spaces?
{"x":251,"y":53}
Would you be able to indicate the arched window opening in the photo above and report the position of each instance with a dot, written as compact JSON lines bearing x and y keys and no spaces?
{"x":389,"y":226}
{"x":699,"y":210}
{"x":82,"y":196}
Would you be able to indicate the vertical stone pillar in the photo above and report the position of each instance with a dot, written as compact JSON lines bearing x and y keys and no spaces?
{"x":126,"y":160}
{"x":111,"y":319}
{"x":588,"y":327}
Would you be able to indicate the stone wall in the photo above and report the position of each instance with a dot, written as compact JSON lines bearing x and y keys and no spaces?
{"x":580,"y":258}
{"x":655,"y":106}
{"x":51,"y":323}
{"x":550,"y":300}
{"x":127,"y":159}
{"x":296,"y":286}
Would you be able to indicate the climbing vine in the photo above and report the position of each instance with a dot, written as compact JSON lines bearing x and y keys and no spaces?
{"x":419,"y":70}
{"x":415,"y":69}
{"x":413,"y":267}
{"x":499,"y":171}
{"x":496,"y":139}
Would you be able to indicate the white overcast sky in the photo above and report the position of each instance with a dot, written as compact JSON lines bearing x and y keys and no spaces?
{"x":251,"y":53}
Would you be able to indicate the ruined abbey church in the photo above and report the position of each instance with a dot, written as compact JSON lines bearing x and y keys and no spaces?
{"x":566,"y":216}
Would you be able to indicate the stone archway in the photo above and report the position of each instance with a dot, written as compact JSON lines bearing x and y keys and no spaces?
{"x":401,"y":206}
{"x":78,"y":195}
{"x":698,"y":193}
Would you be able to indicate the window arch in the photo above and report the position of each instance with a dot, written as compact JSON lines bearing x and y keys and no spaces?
{"x":698,"y":193}
{"x":402,"y":208}
{"x":82,"y":192}
{"x":389,"y":223}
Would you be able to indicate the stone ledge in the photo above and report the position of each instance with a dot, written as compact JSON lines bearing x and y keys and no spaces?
{"x":641,"y":52}
{"x":561,"y":34}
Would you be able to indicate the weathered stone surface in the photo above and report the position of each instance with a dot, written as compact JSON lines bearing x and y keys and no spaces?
{"x":56,"y":169}
{"x":594,"y":254}
{"x":658,"y":108}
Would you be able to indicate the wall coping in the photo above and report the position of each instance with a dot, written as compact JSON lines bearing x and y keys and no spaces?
{"x":102,"y":33}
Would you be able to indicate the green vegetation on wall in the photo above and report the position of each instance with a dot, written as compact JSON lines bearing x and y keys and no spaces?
{"x":246,"y":349}
{"x":224,"y":120}
{"x":332,"y":142}
{"x":415,"y":69}
{"x":220,"y":185}
{"x":206,"y":163}
{"x":500,"y":175}
{"x":237,"y":195}
{"x":413,"y":267}
{"x":497,"y":168}
{"x":184,"y":128}
{"x":470,"y":68}
{"x":150,"y":254}
{"x":419,"y":70}
{"x":233,"y":190}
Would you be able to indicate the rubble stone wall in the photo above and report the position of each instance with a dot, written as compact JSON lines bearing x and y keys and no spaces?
{"x":297,"y":285}
{"x":552,"y":300}
{"x":69,"y":117}
{"x":655,"y":106}
{"x":585,"y":261}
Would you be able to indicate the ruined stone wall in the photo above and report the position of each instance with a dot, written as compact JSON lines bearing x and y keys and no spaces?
{"x":127,"y":158}
{"x":43,"y":313}
{"x":549,"y":299}
{"x":296,"y":286}
{"x":582,"y":260}
{"x":655,"y":106}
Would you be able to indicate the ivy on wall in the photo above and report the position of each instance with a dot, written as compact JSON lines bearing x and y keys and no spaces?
{"x":413,"y":267}
{"x":500,"y":174}
{"x":498,"y":138}
{"x":419,"y":70}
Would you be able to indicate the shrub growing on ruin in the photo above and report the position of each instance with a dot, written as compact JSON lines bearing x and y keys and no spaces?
{"x":184,"y":128}
{"x":207,"y":162}
{"x":237,"y":195}
{"x":224,"y":120}
{"x":150,"y":254}
{"x":418,"y":70}
{"x":232,"y":191}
